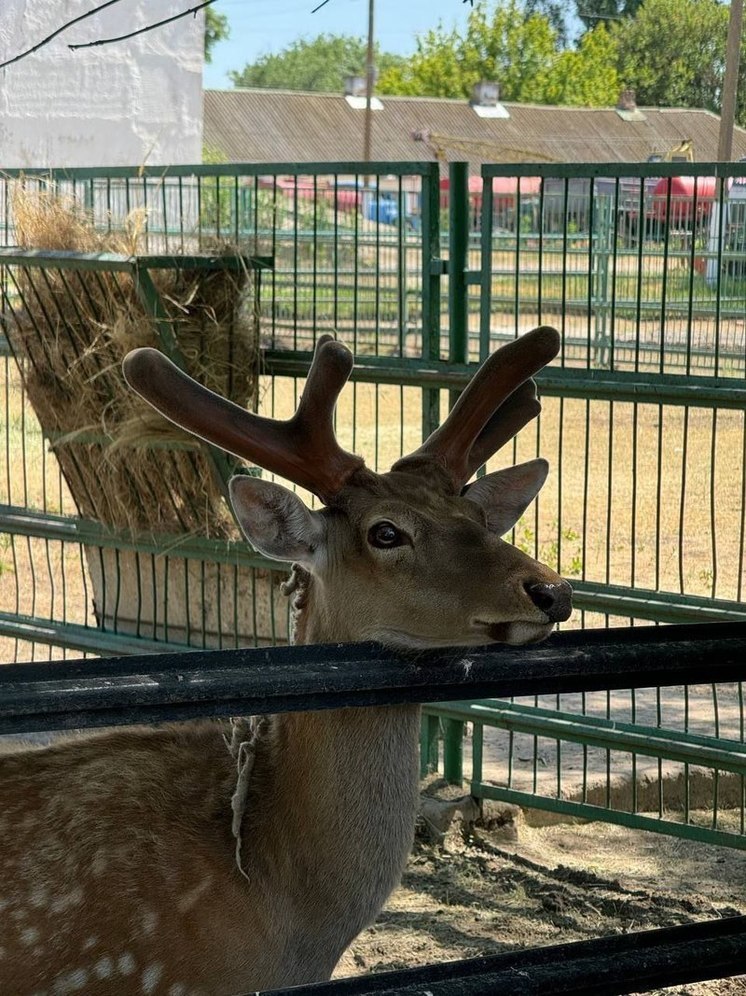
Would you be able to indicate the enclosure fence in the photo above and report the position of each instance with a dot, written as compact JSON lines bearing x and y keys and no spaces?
{"x":116,"y":538}
{"x":80,"y":694}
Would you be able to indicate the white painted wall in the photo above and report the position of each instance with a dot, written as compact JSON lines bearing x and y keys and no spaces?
{"x":130,"y":103}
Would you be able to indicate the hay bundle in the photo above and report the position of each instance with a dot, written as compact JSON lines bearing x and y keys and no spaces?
{"x":126,"y":466}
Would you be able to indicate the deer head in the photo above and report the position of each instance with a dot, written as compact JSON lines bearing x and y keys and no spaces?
{"x":414,"y":557}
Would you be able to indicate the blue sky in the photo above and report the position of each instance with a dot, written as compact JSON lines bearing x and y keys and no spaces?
{"x":259,"y":26}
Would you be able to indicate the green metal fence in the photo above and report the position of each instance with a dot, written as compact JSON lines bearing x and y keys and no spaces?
{"x":643,"y":426}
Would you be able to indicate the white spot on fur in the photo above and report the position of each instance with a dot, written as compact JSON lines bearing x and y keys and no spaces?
{"x":191,"y":898}
{"x":177,"y":989}
{"x":4,"y":904}
{"x":99,"y":864}
{"x":150,"y":978}
{"x":103,"y":969}
{"x":126,"y":964}
{"x":39,"y":897}
{"x":90,"y":942}
{"x":29,"y":936}
{"x":71,"y":982}
{"x":63,"y":903}
{"x":149,"y":923}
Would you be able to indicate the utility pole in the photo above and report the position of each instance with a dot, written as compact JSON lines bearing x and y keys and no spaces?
{"x":730,"y":83}
{"x":370,"y":74}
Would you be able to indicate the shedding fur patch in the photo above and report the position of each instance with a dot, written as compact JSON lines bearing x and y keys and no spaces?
{"x":247,"y":731}
{"x":245,"y":734}
{"x":296,"y":588}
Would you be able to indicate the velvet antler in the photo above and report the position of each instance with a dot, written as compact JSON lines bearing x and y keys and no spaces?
{"x":302,"y":449}
{"x":498,"y":401}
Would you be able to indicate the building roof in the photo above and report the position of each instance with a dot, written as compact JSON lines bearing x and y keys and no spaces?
{"x":247,"y":125}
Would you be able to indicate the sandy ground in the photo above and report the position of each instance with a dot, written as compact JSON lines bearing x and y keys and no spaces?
{"x":512,"y":885}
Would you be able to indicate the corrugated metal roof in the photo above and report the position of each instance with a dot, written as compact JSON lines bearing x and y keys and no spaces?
{"x":287,"y":126}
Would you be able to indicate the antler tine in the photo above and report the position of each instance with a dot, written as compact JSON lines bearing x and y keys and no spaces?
{"x":477,"y":417}
{"x":302,"y":449}
{"x":520,"y":408}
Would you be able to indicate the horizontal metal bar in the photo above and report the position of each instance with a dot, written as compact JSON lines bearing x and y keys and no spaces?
{"x":612,"y":736}
{"x":141,"y":173}
{"x":669,"y":389}
{"x":612,"y":170}
{"x":63,"y":259}
{"x":662,"y":606}
{"x":569,"y":382}
{"x":586,"y":811}
{"x":251,"y":169}
{"x":86,"y":639}
{"x":655,"y":732}
{"x":66,"y":529}
{"x":72,"y":694}
{"x":604,"y":966}
{"x":227,"y":262}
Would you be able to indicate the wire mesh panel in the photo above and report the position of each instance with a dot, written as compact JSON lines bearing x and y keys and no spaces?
{"x":154,"y":558}
{"x":643,"y":426}
{"x":641,"y":268}
{"x":643,"y":420}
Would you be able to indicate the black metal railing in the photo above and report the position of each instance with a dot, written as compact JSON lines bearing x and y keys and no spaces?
{"x":154,"y":688}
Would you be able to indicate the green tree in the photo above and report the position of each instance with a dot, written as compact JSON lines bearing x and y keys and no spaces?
{"x":515,"y":47}
{"x":586,"y":76}
{"x":555,"y":12}
{"x":216,"y":30}
{"x":319,"y":64}
{"x":594,"y":12}
{"x":673,"y":54}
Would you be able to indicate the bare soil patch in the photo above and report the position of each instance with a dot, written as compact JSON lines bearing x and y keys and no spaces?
{"x":517,"y":886}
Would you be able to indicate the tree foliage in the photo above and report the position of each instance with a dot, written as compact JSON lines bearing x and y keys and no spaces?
{"x":555,"y":12}
{"x":517,"y":48}
{"x":319,"y":64}
{"x":586,"y":76}
{"x":673,"y":54}
{"x":216,"y":30}
{"x":595,"y":12}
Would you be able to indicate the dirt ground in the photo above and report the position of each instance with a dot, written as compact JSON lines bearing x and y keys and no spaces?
{"x":510,"y":885}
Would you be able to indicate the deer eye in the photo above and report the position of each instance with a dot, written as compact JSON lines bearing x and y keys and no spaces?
{"x":385,"y":535}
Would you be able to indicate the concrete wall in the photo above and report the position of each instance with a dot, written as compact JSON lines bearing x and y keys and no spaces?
{"x":130,"y":103}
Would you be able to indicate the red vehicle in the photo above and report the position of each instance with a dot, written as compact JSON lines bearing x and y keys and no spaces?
{"x":505,"y":199}
{"x":677,"y":203}
{"x":684,"y":201}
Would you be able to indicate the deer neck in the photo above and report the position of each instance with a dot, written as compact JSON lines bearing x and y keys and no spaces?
{"x":344,"y":782}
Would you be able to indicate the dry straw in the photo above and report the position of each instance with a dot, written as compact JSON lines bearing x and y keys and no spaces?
{"x":126,"y":466}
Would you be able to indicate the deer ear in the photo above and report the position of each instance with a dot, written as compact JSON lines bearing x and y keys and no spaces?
{"x":275,"y":520}
{"x":505,"y":495}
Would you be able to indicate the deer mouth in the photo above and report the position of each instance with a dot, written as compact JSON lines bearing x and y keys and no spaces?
{"x":517,"y":633}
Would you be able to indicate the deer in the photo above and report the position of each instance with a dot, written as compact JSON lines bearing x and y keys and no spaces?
{"x":210,"y":857}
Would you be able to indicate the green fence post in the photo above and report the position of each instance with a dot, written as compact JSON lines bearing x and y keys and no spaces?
{"x":458,"y":248}
{"x":453,"y":751}
{"x":432,"y":272}
{"x":429,"y":731}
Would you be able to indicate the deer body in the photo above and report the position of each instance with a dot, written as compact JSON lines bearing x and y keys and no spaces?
{"x":132,"y":884}
{"x":179,"y":860}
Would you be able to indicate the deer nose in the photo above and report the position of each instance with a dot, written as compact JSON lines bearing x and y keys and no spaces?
{"x":555,"y":599}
